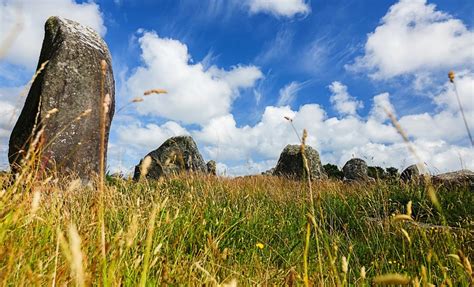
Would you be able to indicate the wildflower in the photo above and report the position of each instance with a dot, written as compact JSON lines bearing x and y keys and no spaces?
{"x":451,"y":76}
{"x":260,"y":245}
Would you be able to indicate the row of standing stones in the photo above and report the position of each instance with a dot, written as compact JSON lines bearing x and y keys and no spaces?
{"x":73,"y":80}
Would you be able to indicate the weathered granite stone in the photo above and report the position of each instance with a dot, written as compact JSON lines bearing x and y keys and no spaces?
{"x":211,"y":167}
{"x":290,"y":164}
{"x":71,"y":83}
{"x":411,"y":173}
{"x":458,"y":178}
{"x":355,"y":170}
{"x":175,"y":155}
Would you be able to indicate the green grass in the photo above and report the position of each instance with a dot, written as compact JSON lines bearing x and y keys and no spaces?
{"x":206,"y":231}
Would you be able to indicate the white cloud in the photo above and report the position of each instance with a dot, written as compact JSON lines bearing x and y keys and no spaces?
{"x":342,"y":102}
{"x":248,"y":167}
{"x":288,"y":93}
{"x":10,"y":102}
{"x":285,"y":8}
{"x":414,"y":37}
{"x":31,"y":16}
{"x":381,"y":106}
{"x":435,"y":137}
{"x":149,"y":136}
{"x":195,"y":94}
{"x":465,"y":87}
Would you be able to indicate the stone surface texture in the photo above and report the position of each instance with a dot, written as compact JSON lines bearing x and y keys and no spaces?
{"x":411,"y":173}
{"x":462,"y":177}
{"x":211,"y":167}
{"x":290,"y":164}
{"x":176,"y":155}
{"x":71,"y":83}
{"x":355,"y":170}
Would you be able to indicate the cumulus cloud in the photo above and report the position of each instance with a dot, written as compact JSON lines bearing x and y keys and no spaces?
{"x":342,"y":102}
{"x":9,"y":110}
{"x":288,"y":93}
{"x":381,"y":106}
{"x":30,"y":16}
{"x":414,"y":37}
{"x":283,"y":8}
{"x":465,"y":87}
{"x":436,"y":137}
{"x":167,"y":65}
{"x":148,"y":136}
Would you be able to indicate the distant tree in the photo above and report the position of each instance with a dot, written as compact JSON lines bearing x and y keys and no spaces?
{"x":333,"y":171}
{"x":376,"y":172}
{"x":392,"y":172}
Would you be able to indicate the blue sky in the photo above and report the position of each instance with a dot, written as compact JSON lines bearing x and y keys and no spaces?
{"x":234,"y":69}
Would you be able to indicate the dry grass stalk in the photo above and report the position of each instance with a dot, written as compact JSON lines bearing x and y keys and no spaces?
{"x":154,"y":91}
{"x":104,"y":106}
{"x":72,"y":252}
{"x":293,"y":126}
{"x":391,"y":279}
{"x":77,"y":257}
{"x":467,"y":266}
{"x":8,"y":41}
{"x":83,"y":114}
{"x":419,"y":164}
{"x":144,"y":166}
{"x":36,"y":74}
{"x":149,"y":241}
{"x":344,"y":265}
{"x":35,"y":202}
{"x":451,"y":77}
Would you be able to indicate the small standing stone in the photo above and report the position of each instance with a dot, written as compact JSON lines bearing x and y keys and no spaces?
{"x":411,"y":173}
{"x":211,"y":167}
{"x":355,"y":170}
{"x":290,"y":164}
{"x":175,"y":155}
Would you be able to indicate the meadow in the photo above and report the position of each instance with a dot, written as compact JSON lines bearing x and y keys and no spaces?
{"x":250,"y":231}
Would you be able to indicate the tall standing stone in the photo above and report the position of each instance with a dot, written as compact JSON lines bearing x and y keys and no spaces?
{"x":70,"y":82}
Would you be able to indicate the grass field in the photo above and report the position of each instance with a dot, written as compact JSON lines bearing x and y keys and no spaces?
{"x":198,"y":230}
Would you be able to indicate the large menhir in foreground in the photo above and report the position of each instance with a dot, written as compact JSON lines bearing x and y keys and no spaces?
{"x":72,"y":83}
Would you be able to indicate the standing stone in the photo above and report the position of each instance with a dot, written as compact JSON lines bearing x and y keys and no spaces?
{"x":211,"y":167}
{"x":290,"y":164}
{"x":175,"y":155}
{"x":71,"y":83}
{"x":411,"y":173}
{"x":458,"y":178}
{"x":355,"y":170}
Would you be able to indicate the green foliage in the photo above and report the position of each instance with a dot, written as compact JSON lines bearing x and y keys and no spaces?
{"x":333,"y":171}
{"x":376,"y":172}
{"x":392,"y":172}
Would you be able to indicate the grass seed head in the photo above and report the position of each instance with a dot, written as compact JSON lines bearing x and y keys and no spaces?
{"x":154,"y":91}
{"x":392,"y":279}
{"x":146,"y":163}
